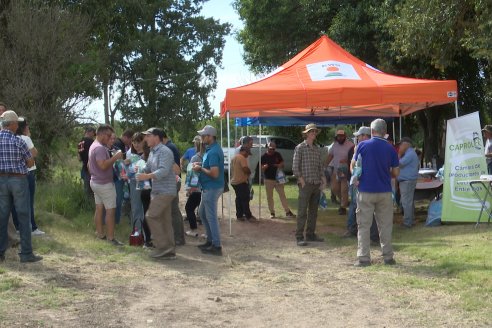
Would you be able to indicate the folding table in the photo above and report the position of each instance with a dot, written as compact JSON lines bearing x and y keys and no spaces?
{"x":485,"y":201}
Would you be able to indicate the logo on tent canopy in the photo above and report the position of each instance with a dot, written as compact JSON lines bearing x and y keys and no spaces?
{"x":332,"y":70}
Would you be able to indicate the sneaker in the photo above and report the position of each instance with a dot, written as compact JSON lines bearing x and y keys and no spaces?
{"x":148,"y":245}
{"x":212,"y":250}
{"x":115,"y":242}
{"x":203,"y":235}
{"x":242,"y":219}
{"x":272,"y":215}
{"x":205,"y":245}
{"x":315,"y":237}
{"x":290,"y":215}
{"x":390,"y":262}
{"x":37,"y":232}
{"x":252,"y":219}
{"x":349,"y":234}
{"x":405,"y":226}
{"x":361,"y":264}
{"x":31,"y":259}
{"x":192,"y":233}
{"x":301,"y":242}
{"x":170,"y":256}
{"x":342,"y":211}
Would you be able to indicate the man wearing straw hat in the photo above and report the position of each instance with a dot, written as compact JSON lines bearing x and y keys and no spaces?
{"x":308,"y":169}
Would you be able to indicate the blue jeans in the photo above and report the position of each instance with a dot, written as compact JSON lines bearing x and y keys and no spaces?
{"x":31,"y":178}
{"x":136,"y":205}
{"x":14,"y":190}
{"x":351,"y":218}
{"x":208,"y":214}
{"x":118,"y":184}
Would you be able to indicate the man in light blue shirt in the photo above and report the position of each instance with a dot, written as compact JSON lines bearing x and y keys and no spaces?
{"x":409,"y":171}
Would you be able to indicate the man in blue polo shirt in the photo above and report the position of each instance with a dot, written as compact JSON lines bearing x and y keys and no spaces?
{"x":15,"y":158}
{"x":379,"y":163}
{"x":212,"y":181}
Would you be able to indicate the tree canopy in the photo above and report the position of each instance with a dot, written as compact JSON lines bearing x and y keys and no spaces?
{"x":426,"y":39}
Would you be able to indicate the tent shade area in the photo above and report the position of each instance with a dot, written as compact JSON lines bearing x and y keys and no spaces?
{"x":326,"y":80}
{"x":300,"y":120}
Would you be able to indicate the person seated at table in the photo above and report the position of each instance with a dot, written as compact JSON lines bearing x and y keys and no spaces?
{"x":407,"y":180}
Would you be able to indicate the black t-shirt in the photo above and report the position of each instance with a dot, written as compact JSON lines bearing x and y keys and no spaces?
{"x":83,"y":148}
{"x":271,"y":171}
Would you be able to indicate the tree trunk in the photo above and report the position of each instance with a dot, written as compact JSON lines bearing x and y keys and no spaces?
{"x":106,"y":101}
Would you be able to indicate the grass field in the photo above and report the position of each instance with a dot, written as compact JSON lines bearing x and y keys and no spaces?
{"x":449,"y":259}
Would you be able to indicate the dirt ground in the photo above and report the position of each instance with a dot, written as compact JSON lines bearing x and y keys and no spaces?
{"x":263,"y":280}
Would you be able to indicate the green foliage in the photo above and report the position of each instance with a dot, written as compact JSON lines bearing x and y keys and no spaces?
{"x":63,"y":195}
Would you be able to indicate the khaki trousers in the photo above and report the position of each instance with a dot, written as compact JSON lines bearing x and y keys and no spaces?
{"x":380,"y":204}
{"x":269,"y":186}
{"x":159,"y":220}
{"x":340,"y":188}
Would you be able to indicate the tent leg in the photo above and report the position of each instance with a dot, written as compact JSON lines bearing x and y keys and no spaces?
{"x":456,"y":107}
{"x":400,"y":127}
{"x":259,"y":177}
{"x":229,"y":170}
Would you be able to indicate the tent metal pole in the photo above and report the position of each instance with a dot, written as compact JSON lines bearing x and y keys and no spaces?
{"x":222,"y":146}
{"x":400,"y":128}
{"x":394,"y":129}
{"x":229,"y":168}
{"x":259,"y":176}
{"x":456,"y":107}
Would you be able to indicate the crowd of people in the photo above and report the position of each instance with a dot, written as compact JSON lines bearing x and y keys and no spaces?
{"x":146,"y":167}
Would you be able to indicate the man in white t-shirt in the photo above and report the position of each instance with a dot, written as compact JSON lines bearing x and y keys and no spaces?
{"x":338,"y":159}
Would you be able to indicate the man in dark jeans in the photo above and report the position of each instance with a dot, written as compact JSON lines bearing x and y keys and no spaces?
{"x":83,"y":152}
{"x":239,"y":181}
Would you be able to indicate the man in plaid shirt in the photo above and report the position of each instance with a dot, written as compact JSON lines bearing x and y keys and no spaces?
{"x":15,"y":158}
{"x":308,"y":169}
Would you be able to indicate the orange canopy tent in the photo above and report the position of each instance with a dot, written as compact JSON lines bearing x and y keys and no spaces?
{"x":326,"y":80}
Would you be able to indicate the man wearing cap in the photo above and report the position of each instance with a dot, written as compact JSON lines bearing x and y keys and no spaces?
{"x":364,"y":133}
{"x":308,"y":169}
{"x":407,"y":180}
{"x":338,"y":159}
{"x":159,"y":168}
{"x":13,"y":239}
{"x":83,"y":153}
{"x":240,"y":183}
{"x":15,"y":159}
{"x":178,"y":224}
{"x":487,"y":132}
{"x":212,"y":181}
{"x":379,"y":163}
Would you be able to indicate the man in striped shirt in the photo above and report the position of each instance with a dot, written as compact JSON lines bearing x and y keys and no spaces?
{"x":308,"y":169}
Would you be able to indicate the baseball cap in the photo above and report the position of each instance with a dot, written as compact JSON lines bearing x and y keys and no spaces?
{"x":11,"y":116}
{"x":155,"y":131}
{"x":363,"y":130}
{"x":208,"y":130}
{"x":197,"y":139}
